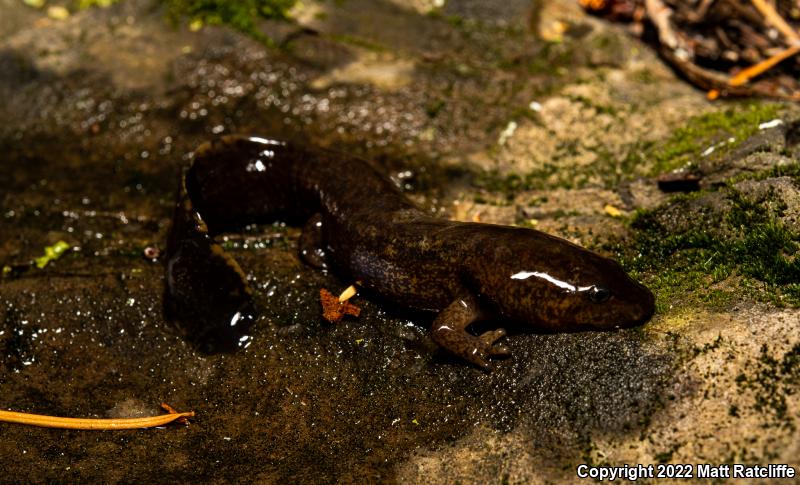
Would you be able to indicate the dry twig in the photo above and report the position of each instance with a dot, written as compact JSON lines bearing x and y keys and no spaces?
{"x":727,"y":47}
{"x":774,"y":18}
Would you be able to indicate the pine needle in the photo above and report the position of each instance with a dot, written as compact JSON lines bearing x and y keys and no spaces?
{"x":91,"y":423}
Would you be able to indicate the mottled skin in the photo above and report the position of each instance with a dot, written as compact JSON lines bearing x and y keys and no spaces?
{"x":358,"y":223}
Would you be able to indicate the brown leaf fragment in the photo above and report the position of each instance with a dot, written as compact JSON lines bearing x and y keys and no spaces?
{"x":333,"y":310}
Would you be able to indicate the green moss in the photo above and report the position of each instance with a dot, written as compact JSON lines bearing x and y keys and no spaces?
{"x":454,"y":20}
{"x":714,"y":256}
{"x":649,"y":158}
{"x":239,"y":14}
{"x":511,"y":184}
{"x":663,"y":457}
{"x":433,"y":107}
{"x":708,"y":347}
{"x":83,"y":4}
{"x":552,"y":59}
{"x":599,"y":108}
{"x":686,"y":144}
{"x":791,"y":170}
{"x":360,"y":42}
{"x":644,"y":76}
{"x":771,"y":379}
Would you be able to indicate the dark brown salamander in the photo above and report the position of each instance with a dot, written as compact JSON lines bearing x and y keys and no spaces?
{"x":360,"y":225}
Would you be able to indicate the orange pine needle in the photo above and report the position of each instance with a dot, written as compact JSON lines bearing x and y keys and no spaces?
{"x":91,"y":423}
{"x":182,"y":419}
{"x":747,"y":74}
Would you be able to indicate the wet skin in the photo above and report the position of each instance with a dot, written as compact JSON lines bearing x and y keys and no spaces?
{"x":359,"y":224}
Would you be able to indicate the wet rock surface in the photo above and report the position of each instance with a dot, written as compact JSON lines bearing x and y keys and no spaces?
{"x":508,"y":112}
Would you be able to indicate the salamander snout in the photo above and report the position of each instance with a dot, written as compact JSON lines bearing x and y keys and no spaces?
{"x":623,"y":303}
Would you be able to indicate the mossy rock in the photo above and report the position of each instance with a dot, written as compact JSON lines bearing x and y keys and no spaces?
{"x":719,"y":246}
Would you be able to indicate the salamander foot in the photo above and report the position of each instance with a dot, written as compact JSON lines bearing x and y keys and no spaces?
{"x":449,"y":331}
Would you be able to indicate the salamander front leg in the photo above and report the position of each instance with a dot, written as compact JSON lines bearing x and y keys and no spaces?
{"x":449,"y":331}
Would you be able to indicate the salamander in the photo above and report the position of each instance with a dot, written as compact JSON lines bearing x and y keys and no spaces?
{"x":361,"y":226}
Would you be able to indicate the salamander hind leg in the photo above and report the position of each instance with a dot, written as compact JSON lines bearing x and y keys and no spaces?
{"x":310,"y":243}
{"x":449,"y":331}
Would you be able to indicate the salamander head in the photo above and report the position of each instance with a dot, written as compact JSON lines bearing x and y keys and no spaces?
{"x":555,"y":285}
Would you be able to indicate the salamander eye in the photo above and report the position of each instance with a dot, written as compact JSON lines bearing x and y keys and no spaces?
{"x":598,"y":294}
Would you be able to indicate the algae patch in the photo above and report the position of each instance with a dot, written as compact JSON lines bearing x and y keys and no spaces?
{"x":51,"y":253}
